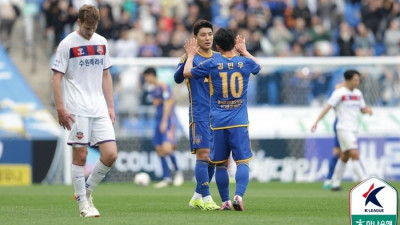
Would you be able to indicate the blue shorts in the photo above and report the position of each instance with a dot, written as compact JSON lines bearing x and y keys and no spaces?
{"x":168,"y":136}
{"x":199,"y":134}
{"x":226,"y":140}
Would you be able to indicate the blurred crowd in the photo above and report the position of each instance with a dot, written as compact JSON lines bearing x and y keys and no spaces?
{"x":148,"y":28}
{"x":158,"y":28}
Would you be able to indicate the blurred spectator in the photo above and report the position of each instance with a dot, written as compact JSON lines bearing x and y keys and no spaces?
{"x":280,"y":37}
{"x":390,"y":87}
{"x":125,"y":47}
{"x":392,"y":38}
{"x":326,"y":11}
{"x":345,"y":40}
{"x":9,"y":12}
{"x":364,"y":41}
{"x":191,"y":17}
{"x":106,"y":24}
{"x":149,"y":48}
{"x":301,"y":33}
{"x":318,"y":31}
{"x":372,"y":15}
{"x":301,"y":10}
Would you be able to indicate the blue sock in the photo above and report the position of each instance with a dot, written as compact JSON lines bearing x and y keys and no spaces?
{"x":211,"y":171}
{"x":242,"y":179}
{"x":173,"y":160}
{"x":222,"y":180}
{"x":200,"y":172}
{"x":164,"y":167}
{"x":332,"y":164}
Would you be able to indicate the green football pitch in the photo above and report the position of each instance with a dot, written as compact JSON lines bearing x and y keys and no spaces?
{"x":124,"y":203}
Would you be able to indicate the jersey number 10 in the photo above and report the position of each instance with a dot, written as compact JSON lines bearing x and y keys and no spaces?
{"x":235,"y":92}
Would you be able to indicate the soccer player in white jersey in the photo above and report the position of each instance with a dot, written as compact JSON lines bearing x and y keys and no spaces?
{"x":348,"y":102}
{"x":87,"y":107}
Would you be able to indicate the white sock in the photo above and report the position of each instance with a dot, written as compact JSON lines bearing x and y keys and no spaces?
{"x":358,"y":170}
{"x":338,"y":174}
{"x":78,"y":180}
{"x":96,"y":176}
{"x":196,"y":196}
{"x":207,"y":198}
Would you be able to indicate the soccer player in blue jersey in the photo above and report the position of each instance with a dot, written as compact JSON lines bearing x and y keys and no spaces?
{"x":199,"y":122}
{"x":164,"y":138}
{"x":229,"y":75}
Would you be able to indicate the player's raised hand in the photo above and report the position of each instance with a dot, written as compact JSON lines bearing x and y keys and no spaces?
{"x":191,"y":47}
{"x":240,"y":44}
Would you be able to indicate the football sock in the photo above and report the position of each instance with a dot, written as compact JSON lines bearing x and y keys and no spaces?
{"x":98,"y":173}
{"x":201,"y":174}
{"x":173,"y":160}
{"x":211,"y":171}
{"x":338,"y":174}
{"x":78,"y":180}
{"x":358,"y":170}
{"x":332,"y":164}
{"x":242,"y":179}
{"x":165,"y":168}
{"x":206,"y":198}
{"x":196,"y":195}
{"x":222,"y":180}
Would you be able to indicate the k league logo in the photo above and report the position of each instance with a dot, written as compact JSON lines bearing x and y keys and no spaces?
{"x":373,"y":202}
{"x":371,"y":196}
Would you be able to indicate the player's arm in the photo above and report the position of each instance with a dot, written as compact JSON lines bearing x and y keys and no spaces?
{"x":240,"y":46}
{"x":178,"y":76}
{"x":191,"y":49}
{"x":366,"y":110}
{"x":108,"y":93}
{"x":64,"y":117}
{"x":321,"y":115}
{"x":167,"y":110}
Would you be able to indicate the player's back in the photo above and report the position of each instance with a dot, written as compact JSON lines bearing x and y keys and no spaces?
{"x":230,"y":78}
{"x":160,"y":94}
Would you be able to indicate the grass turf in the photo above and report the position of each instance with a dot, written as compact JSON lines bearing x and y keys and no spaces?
{"x":125,"y":203}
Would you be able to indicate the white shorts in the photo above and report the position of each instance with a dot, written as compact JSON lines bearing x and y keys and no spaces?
{"x":91,"y":131}
{"x":347,"y":140}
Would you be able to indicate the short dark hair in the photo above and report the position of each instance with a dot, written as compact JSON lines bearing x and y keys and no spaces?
{"x":225,"y":39}
{"x":349,"y":74}
{"x":201,"y":24}
{"x":150,"y":71}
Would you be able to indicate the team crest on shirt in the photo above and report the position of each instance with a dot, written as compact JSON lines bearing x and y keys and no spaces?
{"x":100,"y":50}
{"x":79,"y":135}
{"x":198,"y":139}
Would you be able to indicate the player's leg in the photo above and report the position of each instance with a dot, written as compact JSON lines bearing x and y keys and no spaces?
{"x":103,"y":137}
{"x":332,"y":163}
{"x":219,"y":155}
{"x":348,"y":141}
{"x":357,"y":167}
{"x":166,"y":174}
{"x":79,"y":139}
{"x":241,"y":152}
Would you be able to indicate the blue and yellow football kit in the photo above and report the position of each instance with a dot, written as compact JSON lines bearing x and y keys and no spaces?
{"x":161,"y":94}
{"x":228,"y":117}
{"x":199,"y":101}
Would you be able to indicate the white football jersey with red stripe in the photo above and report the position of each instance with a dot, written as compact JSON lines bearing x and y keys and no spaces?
{"x":82,"y":62}
{"x":347,"y":105}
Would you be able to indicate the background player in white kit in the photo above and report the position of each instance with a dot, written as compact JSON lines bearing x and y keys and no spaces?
{"x":348,"y":102}
{"x":87,"y":109}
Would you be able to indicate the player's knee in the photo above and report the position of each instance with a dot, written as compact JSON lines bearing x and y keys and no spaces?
{"x":202,"y":154}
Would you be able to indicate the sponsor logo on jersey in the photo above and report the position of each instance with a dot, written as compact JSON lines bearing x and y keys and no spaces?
{"x":87,"y":50}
